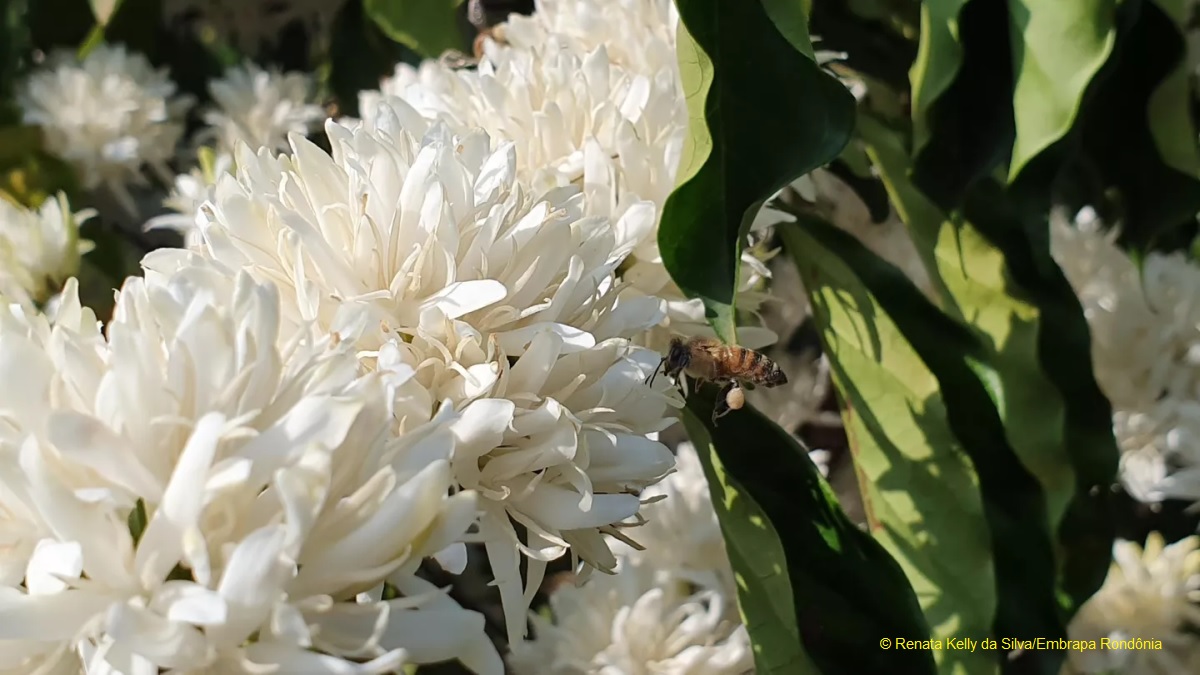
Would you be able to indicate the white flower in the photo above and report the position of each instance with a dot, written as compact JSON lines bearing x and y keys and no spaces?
{"x":608,"y":115}
{"x":429,"y":257}
{"x":261,"y":107}
{"x":190,"y":191}
{"x":1149,"y":594}
{"x":39,"y":249}
{"x":640,"y":34}
{"x":681,"y":536}
{"x":193,"y":490}
{"x":108,"y":116}
{"x":1145,"y":327}
{"x":627,"y":624}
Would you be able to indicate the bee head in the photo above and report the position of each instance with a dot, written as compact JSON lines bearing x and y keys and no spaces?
{"x":678,"y":357}
{"x":675,"y":360}
{"x":776,"y":376}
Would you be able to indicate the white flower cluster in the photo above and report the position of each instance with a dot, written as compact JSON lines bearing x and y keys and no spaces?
{"x":260,"y":107}
{"x":252,"y":106}
{"x":443,"y":271}
{"x":1150,"y":594}
{"x":108,"y":116}
{"x":670,"y":610}
{"x":1145,"y":326}
{"x":591,"y":94}
{"x":39,"y":249}
{"x":364,"y":360}
{"x":197,"y":489}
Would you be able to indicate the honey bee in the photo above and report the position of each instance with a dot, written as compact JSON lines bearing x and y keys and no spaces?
{"x":708,"y":359}
{"x":486,"y":17}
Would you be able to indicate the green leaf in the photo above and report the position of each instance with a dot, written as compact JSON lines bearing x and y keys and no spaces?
{"x":1139,"y":139}
{"x":1058,"y":48}
{"x":429,"y":27}
{"x":817,"y":594}
{"x":1028,"y":371}
{"x":962,"y":113}
{"x":761,"y":114}
{"x":975,"y":402}
{"x":920,"y":491}
{"x":939,"y":59}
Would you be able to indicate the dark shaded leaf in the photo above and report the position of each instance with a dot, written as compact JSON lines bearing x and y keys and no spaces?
{"x":761,"y":114}
{"x":14,"y":54}
{"x":875,"y":43}
{"x":868,"y":188}
{"x":1138,"y":135}
{"x":816,"y":593}
{"x":360,"y":55}
{"x":962,"y":97}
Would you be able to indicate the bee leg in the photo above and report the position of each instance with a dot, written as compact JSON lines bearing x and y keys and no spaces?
{"x":722,"y":407}
{"x":719,"y":410}
{"x":454,"y":59}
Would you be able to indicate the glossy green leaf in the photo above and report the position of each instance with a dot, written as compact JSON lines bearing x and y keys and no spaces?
{"x":817,"y":594}
{"x":761,"y":114}
{"x":919,"y":488}
{"x":1028,"y":366}
{"x":1018,"y":536}
{"x":1058,"y":48}
{"x":939,"y":58}
{"x":428,"y":27}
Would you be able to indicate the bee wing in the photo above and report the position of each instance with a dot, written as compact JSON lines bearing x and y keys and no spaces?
{"x":714,"y":349}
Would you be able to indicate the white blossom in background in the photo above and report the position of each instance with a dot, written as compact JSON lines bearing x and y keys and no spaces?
{"x":260,"y":108}
{"x":630,"y":624}
{"x":1145,"y":327}
{"x":251,"y":25}
{"x":590,"y":94}
{"x":1151,"y":594}
{"x":39,"y":248}
{"x":108,"y":116}
{"x":429,"y":256}
{"x":639,"y":34}
{"x":682,"y":539}
{"x":190,"y":191}
{"x":253,"y":106}
{"x":194,"y":490}
{"x":670,"y":609}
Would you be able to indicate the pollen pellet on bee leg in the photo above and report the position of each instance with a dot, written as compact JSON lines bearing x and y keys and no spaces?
{"x":736,"y":398}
